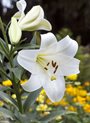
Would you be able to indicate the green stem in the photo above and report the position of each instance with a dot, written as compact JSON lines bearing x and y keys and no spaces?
{"x":16,"y":89}
{"x":18,"y":94}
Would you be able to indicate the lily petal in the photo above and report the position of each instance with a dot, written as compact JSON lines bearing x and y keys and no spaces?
{"x":21,"y":5}
{"x":68,"y":65}
{"x":43,"y":25}
{"x":55,"y":89}
{"x":26,"y":58}
{"x":47,"y":40}
{"x":32,"y":84}
{"x":67,"y":46}
{"x":36,"y":13}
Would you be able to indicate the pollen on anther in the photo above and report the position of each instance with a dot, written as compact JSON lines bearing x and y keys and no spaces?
{"x":45,"y":68}
{"x":53,"y":63}
{"x":48,"y":63}
{"x":55,"y":69}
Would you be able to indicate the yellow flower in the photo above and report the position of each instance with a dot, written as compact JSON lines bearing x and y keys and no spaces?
{"x":42,"y":107}
{"x":86,"y":108}
{"x":71,"y":90}
{"x":7,"y":83}
{"x":23,"y":81}
{"x":40,"y":99}
{"x":43,"y":92}
{"x":1,"y":103}
{"x":82,"y":92}
{"x":46,"y":113}
{"x":87,"y":84}
{"x":14,"y":96}
{"x":80,"y":100}
{"x":48,"y":101}
{"x":88,"y":97}
{"x":72,"y":77}
{"x":63,"y":102}
{"x":72,"y":108}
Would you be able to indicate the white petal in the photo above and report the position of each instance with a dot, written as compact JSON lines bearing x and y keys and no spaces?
{"x":33,"y":17}
{"x":43,"y":25}
{"x":21,"y":5}
{"x":32,"y":84}
{"x":68,"y":65}
{"x":26,"y":58}
{"x":55,"y":89}
{"x":67,"y":46}
{"x":47,"y":40}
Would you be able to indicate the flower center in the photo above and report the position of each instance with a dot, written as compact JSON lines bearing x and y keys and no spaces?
{"x":50,"y":66}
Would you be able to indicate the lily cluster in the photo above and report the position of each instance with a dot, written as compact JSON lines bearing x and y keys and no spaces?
{"x":49,"y":64}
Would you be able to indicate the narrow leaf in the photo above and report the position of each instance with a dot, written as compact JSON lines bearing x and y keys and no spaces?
{"x":31,"y":99}
{"x":8,"y":99}
{"x":6,"y":113}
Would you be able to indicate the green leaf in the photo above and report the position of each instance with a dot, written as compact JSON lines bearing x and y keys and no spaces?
{"x":31,"y":99}
{"x":25,"y":118}
{"x":8,"y":99}
{"x":3,"y":88}
{"x":3,"y":47}
{"x":52,"y":115}
{"x":18,"y":71}
{"x":6,"y":113}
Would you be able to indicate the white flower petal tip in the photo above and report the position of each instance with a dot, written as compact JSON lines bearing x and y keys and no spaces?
{"x":68,"y":46}
{"x":32,"y":84}
{"x":21,"y":5}
{"x":14,"y":31}
{"x":48,"y":40}
{"x":55,"y":89}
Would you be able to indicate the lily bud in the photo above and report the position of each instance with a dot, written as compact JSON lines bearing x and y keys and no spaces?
{"x":15,"y":32}
{"x":34,"y":20}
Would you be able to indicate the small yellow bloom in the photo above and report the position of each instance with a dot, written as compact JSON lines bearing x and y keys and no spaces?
{"x":46,"y":113}
{"x":88,"y":97}
{"x":86,"y":108}
{"x":14,"y":96}
{"x":71,"y":90}
{"x":43,"y":92}
{"x":72,"y":108}
{"x":42,"y":107}
{"x":80,"y":100}
{"x":1,"y":103}
{"x":82,"y":93}
{"x":40,"y":99}
{"x":63,"y":102}
{"x":48,"y":101}
{"x":7,"y":83}
{"x":23,"y":81}
{"x":87,"y":84}
{"x":72,"y":77}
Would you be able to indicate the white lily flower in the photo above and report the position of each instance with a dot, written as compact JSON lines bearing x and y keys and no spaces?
{"x":33,"y":20}
{"x":49,"y":65}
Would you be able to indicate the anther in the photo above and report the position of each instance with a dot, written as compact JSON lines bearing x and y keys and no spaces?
{"x":45,"y":68}
{"x":53,"y":63}
{"x":55,"y":69}
{"x":48,"y":63}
